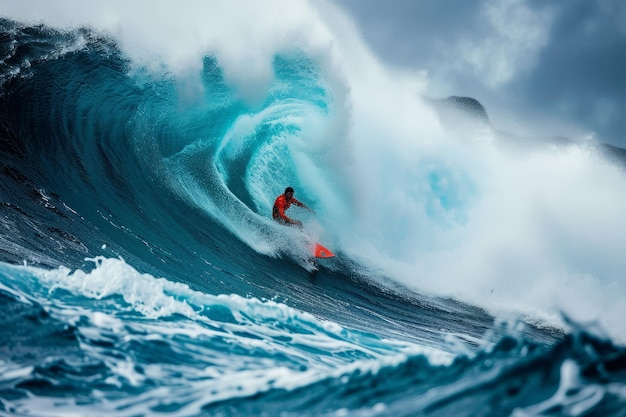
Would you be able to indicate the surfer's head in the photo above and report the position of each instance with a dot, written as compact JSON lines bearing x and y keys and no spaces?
{"x":289,"y":190}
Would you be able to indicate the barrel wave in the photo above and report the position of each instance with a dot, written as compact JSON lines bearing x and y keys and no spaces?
{"x":142,"y":273}
{"x":128,"y":146}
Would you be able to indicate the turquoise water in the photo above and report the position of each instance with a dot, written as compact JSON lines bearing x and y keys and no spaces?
{"x":141,"y":273}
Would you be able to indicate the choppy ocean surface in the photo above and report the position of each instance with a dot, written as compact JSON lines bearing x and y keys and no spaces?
{"x":141,"y":273}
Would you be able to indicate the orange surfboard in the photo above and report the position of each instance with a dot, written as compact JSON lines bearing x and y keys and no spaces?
{"x":320,"y":251}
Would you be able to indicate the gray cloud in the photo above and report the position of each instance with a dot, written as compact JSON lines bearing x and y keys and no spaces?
{"x":560,"y":65}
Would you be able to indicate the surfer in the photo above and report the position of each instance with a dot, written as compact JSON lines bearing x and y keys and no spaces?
{"x":282,"y":203}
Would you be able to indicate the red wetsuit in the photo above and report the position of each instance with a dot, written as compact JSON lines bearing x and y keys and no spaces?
{"x":280,"y":205}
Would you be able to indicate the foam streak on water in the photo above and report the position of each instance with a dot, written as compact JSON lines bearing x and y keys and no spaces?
{"x":156,"y":340}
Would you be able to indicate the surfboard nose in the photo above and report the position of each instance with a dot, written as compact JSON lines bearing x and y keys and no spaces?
{"x":320,"y":251}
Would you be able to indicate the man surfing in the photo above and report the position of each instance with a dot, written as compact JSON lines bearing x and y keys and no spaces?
{"x":282,"y":203}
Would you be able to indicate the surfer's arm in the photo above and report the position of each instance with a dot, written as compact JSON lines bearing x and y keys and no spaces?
{"x":301,"y":204}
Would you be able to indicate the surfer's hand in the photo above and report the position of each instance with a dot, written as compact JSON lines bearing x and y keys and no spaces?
{"x":296,"y":223}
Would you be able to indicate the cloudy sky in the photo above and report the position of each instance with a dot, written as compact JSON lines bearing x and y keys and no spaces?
{"x":539,"y":66}
{"x":542,"y":67}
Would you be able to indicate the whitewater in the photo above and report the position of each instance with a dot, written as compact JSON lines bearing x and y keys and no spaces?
{"x":143,"y":145}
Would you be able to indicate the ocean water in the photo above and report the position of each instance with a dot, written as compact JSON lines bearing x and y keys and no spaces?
{"x":141,"y":273}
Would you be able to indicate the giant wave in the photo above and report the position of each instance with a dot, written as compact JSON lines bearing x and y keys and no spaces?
{"x":142,"y":273}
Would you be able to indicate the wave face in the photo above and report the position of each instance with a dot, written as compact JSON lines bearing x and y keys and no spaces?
{"x":142,"y":274}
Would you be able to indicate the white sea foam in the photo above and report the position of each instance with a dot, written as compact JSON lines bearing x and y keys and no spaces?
{"x":129,"y":292}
